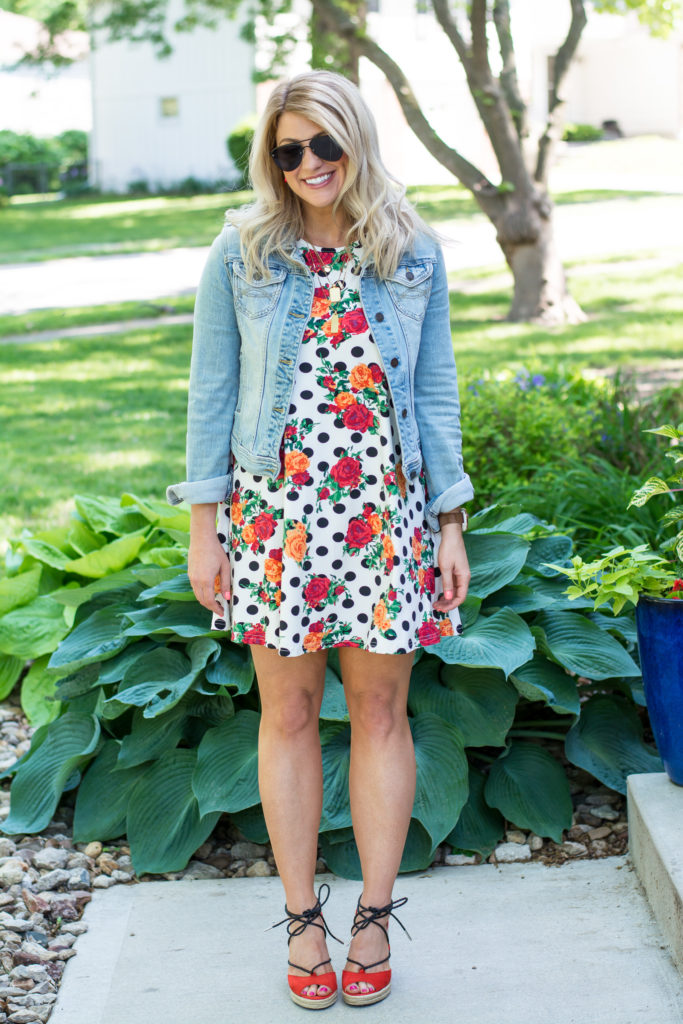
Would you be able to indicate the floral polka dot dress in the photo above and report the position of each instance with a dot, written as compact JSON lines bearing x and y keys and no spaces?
{"x":335,"y":550}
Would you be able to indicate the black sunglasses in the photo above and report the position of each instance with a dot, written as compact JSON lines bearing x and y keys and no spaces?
{"x":289,"y":156}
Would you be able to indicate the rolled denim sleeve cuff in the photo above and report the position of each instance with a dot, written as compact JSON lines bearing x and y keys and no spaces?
{"x":199,"y":491}
{"x":453,"y":496}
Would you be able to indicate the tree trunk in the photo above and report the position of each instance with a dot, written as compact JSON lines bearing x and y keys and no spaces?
{"x":525,"y":233}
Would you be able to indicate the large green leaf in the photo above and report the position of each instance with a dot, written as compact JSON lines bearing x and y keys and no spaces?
{"x":97,"y":638}
{"x":555,"y":549}
{"x":251,"y":824}
{"x":178,"y":617}
{"x":158,"y":679}
{"x":45,"y":552}
{"x":82,"y":539}
{"x":38,"y":687}
{"x":110,"y":558}
{"x":480,"y":702}
{"x":479,"y":827}
{"x":580,"y":646}
{"x":333,"y":708}
{"x":33,"y":629}
{"x":10,"y":670}
{"x":114,"y":670}
{"x":540,"y":679}
{"x":116,"y":583}
{"x":150,"y":737}
{"x":94,"y":816}
{"x":18,"y":590}
{"x":530,"y":593}
{"x":607,"y":741}
{"x":99,"y":511}
{"x":495,"y":559}
{"x":620,"y":625}
{"x":530,"y":788}
{"x":164,"y":823}
{"x":226,"y":776}
{"x":336,"y":755}
{"x":506,"y":518}
{"x":441,"y":789}
{"x":342,"y":858}
{"x":500,"y":641}
{"x":176,"y":589}
{"x":39,"y":781}
{"x":232,"y":667}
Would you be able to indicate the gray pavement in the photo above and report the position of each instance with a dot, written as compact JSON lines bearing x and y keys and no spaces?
{"x":583,"y":231}
{"x":514,"y":943}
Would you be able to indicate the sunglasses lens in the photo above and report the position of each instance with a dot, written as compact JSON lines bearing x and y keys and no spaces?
{"x":288,"y":157}
{"x":326,"y":148}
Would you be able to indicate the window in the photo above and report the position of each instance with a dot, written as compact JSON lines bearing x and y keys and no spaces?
{"x":169,"y":106}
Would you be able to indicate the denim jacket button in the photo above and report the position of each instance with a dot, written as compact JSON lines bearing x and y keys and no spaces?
{"x":404,"y":413}
{"x":379,"y":317}
{"x":409,"y":275}
{"x":394,"y":361}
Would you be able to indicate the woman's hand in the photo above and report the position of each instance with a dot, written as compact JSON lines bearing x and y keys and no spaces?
{"x":207,"y":563}
{"x":454,"y":567}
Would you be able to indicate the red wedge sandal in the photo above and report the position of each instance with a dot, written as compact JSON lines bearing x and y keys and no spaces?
{"x":296,"y":924}
{"x":380,"y":980}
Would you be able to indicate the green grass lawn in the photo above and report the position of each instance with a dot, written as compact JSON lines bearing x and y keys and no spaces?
{"x":100,"y":225}
{"x":78,"y":316}
{"x":107,"y":415}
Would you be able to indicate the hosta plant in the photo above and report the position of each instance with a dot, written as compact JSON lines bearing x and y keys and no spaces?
{"x":148,"y":721}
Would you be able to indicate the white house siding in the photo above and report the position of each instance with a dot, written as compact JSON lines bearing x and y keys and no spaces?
{"x":208,"y":74}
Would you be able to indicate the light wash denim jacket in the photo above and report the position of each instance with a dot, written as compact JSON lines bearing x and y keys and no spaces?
{"x":244,"y":355}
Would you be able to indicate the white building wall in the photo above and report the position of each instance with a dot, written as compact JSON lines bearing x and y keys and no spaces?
{"x":208,"y":76}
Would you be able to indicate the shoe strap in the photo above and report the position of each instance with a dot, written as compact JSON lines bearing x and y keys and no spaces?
{"x":373,"y":915}
{"x":366,"y":967}
{"x":298,"y":923}
{"x":311,"y":970}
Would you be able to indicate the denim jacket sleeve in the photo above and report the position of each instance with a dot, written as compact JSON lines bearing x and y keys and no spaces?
{"x":437,"y":405}
{"x":213,"y":388}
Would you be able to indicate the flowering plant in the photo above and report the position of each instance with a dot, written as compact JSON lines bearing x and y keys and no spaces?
{"x":622,"y":574}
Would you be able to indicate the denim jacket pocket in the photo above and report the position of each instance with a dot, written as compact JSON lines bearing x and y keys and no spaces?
{"x":256,"y":298}
{"x":410,"y":288}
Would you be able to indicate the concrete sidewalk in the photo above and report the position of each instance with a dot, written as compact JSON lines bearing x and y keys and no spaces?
{"x":508,"y":944}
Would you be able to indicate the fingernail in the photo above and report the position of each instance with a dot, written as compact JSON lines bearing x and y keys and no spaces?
{"x":226,"y":595}
{"x":448,"y":595}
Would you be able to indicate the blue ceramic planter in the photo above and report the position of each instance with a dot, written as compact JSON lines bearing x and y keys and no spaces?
{"x":660,"y":642}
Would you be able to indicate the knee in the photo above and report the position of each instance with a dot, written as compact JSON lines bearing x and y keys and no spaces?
{"x":376,"y":716}
{"x":291,"y":715}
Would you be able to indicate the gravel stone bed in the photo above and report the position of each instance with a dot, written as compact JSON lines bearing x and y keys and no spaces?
{"x":46,"y":880}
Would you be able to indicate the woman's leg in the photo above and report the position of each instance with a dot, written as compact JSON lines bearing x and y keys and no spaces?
{"x":291,"y":782}
{"x":381,"y":780}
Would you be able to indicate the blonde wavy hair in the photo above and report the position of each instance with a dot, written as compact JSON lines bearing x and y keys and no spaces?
{"x":371,"y":199}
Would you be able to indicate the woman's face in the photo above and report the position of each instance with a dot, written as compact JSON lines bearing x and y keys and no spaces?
{"x":317,"y":182}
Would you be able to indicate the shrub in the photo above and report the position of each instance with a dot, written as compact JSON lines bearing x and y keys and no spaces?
{"x":581,"y":133}
{"x":239,"y":144}
{"x":148,"y":720}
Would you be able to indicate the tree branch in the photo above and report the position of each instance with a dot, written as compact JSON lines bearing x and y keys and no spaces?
{"x":447,"y":22}
{"x":508,"y":76}
{"x":480,"y":46}
{"x":563,"y":59}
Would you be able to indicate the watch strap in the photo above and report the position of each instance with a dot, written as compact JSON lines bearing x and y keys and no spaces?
{"x":458,"y":515}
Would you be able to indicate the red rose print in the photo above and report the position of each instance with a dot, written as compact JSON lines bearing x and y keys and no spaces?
{"x":346,"y":472}
{"x":308,"y":334}
{"x":275,"y":553}
{"x":255,"y":635}
{"x":316,"y":591}
{"x":336,"y":339}
{"x":347,"y":643}
{"x":368,"y":510}
{"x":264,"y":525}
{"x":429,"y":580}
{"x":299,"y":479}
{"x":316,"y":627}
{"x":357,"y":417}
{"x":358,"y":533}
{"x":332,"y":408}
{"x":329,"y":383}
{"x":339,"y":589}
{"x":325,"y":493}
{"x":354,"y":322}
{"x":290,"y":431}
{"x":322,"y":293}
{"x":392,"y":595}
{"x":376,"y":372}
{"x":429,"y":633}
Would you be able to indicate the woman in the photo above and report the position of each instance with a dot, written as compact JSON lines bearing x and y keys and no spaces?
{"x":324,"y":433}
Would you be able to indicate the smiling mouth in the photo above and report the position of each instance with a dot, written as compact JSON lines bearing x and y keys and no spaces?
{"x":321,"y":179}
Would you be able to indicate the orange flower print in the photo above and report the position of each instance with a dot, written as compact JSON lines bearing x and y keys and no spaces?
{"x":236,"y":512}
{"x":380,"y":616}
{"x":421,"y":578}
{"x":313,"y":641}
{"x":417,"y":548}
{"x":295,"y":542}
{"x":445,"y":627}
{"x":344,"y":399}
{"x":361,"y":377}
{"x":321,"y":306}
{"x":278,"y":596}
{"x":248,"y":533}
{"x":375,"y":523}
{"x":387,"y":547}
{"x":273,"y":570}
{"x":401,"y":480}
{"x":296,"y":462}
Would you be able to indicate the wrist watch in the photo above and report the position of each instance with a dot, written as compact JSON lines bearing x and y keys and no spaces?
{"x":456,"y":515}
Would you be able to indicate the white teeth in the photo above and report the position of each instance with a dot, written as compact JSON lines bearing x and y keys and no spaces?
{"x":319,"y":179}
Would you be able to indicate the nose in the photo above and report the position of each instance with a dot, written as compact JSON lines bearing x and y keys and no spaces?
{"x":310,"y":163}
